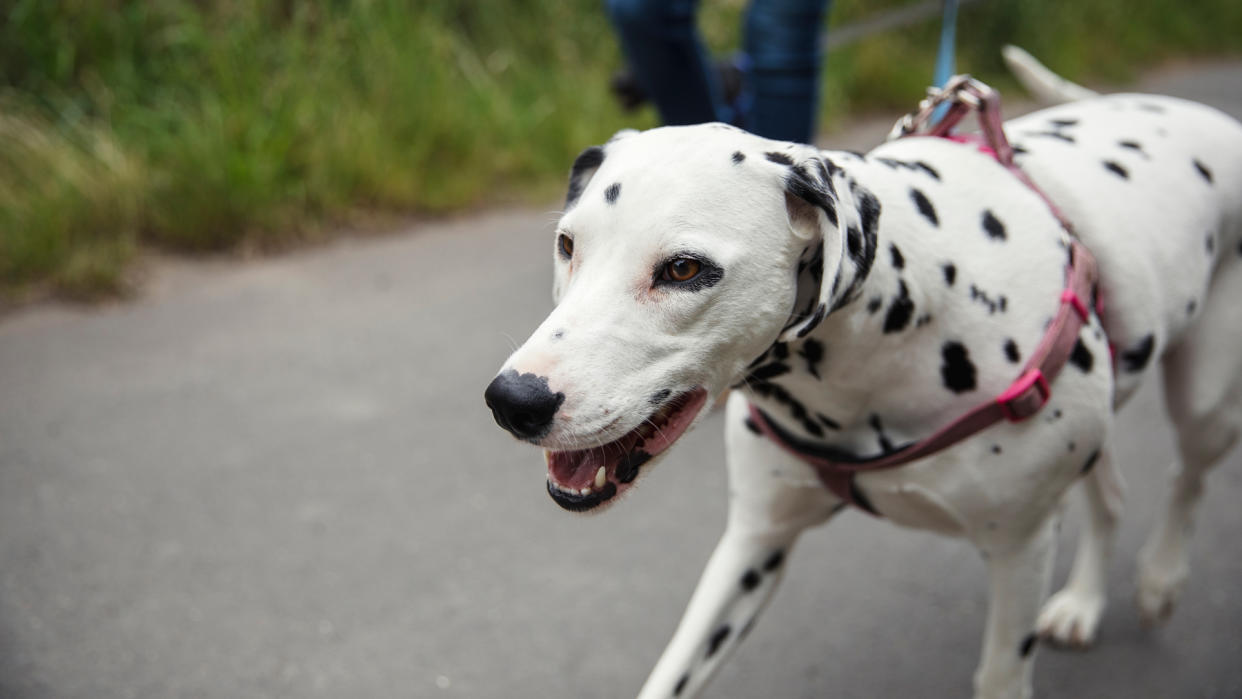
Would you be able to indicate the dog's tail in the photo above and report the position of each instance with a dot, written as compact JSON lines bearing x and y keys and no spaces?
{"x":1045,"y":85}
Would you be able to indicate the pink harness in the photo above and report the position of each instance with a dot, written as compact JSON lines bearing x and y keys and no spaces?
{"x":1032,"y":389}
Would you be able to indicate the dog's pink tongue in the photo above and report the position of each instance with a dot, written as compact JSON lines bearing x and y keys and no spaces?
{"x":574,"y":469}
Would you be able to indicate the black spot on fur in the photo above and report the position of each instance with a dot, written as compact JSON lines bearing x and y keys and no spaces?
{"x":774,"y":561}
{"x":924,"y":206}
{"x":813,"y":427}
{"x":1116,"y":168}
{"x":1191,"y":306}
{"x":1081,"y":357}
{"x":778,"y":157}
{"x":874,"y":304}
{"x":994,"y":305}
{"x":769,"y":371}
{"x":776,"y":392}
{"x":1204,"y":171}
{"x":1011,"y":351}
{"x":1051,"y":134}
{"x":1210,"y":243}
{"x":898,"y":316}
{"x":1086,"y":468}
{"x":1028,"y":645}
{"x":899,"y":262}
{"x":1063,"y":123}
{"x":957,"y":370}
{"x":613,"y":191}
{"x":950,"y":273}
{"x":718,"y":638}
{"x":995,"y":229}
{"x":918,"y":166}
{"x":828,"y":422}
{"x":659,"y":396}
{"x":1019,"y":150}
{"x":816,"y":317}
{"x":738,"y":157}
{"x":1153,"y":108}
{"x":1131,"y":145}
{"x":996,"y":448}
{"x":1135,"y":358}
{"x":681,"y":685}
{"x":813,"y":351}
{"x":886,"y":446}
{"x":750,"y":580}
{"x":854,"y":242}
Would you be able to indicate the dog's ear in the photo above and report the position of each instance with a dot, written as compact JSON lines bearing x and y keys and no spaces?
{"x":840,"y":218}
{"x":583,"y":169}
{"x":585,"y":165}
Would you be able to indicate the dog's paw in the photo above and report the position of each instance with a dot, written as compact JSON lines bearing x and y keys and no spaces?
{"x":1160,"y":583}
{"x":1070,"y":618}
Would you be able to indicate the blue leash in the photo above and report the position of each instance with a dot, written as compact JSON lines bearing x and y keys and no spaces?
{"x":944,"y":55}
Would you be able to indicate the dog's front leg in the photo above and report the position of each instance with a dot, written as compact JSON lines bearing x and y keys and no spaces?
{"x":1018,"y":577}
{"x":772,"y":498}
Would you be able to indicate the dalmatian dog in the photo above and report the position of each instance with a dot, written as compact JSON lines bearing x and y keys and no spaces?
{"x":861,"y":302}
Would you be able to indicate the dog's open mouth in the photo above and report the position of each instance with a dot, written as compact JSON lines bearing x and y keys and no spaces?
{"x":579,"y":480}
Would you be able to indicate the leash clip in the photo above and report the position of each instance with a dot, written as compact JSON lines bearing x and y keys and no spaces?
{"x":962,"y":94}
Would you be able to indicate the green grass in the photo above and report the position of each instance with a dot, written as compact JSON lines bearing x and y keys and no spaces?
{"x":196,"y":125}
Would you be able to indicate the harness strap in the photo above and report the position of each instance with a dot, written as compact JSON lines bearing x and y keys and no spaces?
{"x":1022,"y":399}
{"x":1026,"y":395}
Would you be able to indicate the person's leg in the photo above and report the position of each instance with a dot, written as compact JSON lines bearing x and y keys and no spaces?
{"x":663,"y":48}
{"x":783,"y":42}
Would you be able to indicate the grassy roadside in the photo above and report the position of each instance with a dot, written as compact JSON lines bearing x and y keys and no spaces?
{"x":198,"y":125}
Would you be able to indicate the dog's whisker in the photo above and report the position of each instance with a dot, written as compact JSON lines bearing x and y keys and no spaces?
{"x":513,"y":344}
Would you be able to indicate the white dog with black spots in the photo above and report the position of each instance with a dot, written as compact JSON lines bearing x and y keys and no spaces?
{"x":863,"y":301}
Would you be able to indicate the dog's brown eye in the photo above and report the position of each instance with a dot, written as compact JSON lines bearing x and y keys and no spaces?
{"x":682,"y":269}
{"x":565,"y":245}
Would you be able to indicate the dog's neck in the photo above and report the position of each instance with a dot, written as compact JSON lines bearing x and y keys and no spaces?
{"x":841,"y":383}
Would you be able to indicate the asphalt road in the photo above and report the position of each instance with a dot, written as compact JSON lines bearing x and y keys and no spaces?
{"x":278,"y":479}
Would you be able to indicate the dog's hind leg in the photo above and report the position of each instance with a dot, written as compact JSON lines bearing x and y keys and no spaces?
{"x":1073,"y":614}
{"x":1018,"y":580}
{"x":1203,"y":392}
{"x":772,"y":498}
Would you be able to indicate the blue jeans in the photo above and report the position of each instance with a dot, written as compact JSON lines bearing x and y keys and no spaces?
{"x":782,"y":52}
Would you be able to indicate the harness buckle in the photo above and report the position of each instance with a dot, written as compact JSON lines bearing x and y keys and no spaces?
{"x":1025,"y":396}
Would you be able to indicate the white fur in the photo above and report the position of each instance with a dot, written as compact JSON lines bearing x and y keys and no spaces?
{"x":614,"y":340}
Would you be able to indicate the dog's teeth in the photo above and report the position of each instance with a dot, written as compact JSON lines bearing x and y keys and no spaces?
{"x":585,"y":491}
{"x":600,"y":477}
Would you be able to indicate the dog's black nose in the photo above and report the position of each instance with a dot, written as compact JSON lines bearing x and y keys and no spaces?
{"x":523,"y":403}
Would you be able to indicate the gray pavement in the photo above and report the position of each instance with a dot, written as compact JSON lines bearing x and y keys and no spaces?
{"x":278,"y":479}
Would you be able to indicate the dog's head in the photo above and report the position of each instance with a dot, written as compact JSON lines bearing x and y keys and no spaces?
{"x":683,"y":254}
